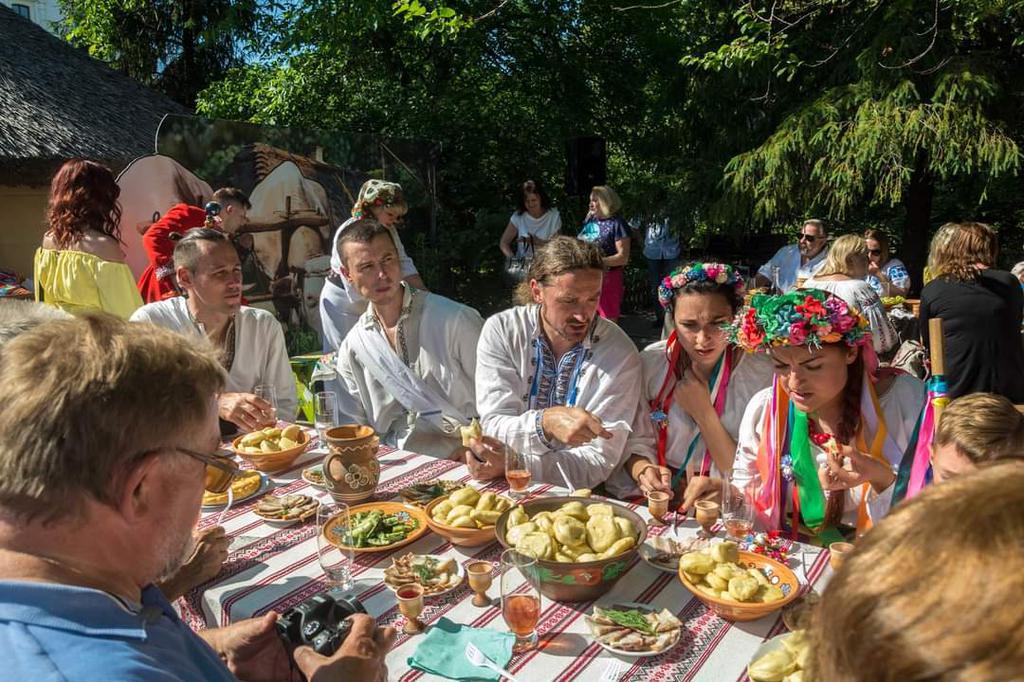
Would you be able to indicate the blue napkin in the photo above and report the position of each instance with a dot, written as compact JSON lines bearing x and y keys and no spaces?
{"x":443,"y":651}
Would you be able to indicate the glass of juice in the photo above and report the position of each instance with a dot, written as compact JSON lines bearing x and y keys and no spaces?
{"x":517,"y":473}
{"x":520,"y":598}
{"x":737,"y":510}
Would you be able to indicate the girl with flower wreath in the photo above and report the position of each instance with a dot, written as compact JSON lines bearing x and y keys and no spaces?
{"x":819,"y":449}
{"x":341,"y":305}
{"x":696,"y":383}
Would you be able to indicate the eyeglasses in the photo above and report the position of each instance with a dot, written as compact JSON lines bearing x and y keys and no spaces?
{"x":220,"y":470}
{"x":809,"y":238}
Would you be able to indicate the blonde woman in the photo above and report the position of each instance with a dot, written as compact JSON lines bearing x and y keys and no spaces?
{"x":975,"y":429}
{"x":843,"y":275}
{"x":604,"y":227}
{"x":932,"y":593}
{"x":981,"y":309}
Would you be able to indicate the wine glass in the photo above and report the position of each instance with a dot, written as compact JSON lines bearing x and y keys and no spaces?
{"x":517,"y":472}
{"x":520,"y":598}
{"x":737,"y":509}
{"x":268,"y":393}
{"x":706,"y":512}
{"x":325,"y":410}
{"x":336,"y":561}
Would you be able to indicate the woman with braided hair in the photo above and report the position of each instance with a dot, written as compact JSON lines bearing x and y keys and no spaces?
{"x":696,"y":384}
{"x":818,"y":451}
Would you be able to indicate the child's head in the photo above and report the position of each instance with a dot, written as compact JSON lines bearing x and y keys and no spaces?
{"x":973,"y":429}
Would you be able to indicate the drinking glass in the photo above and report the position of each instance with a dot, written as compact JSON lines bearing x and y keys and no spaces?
{"x":336,"y":561}
{"x":517,"y":473}
{"x":520,"y":598}
{"x":268,"y":393}
{"x":737,"y":509}
{"x":325,"y":410}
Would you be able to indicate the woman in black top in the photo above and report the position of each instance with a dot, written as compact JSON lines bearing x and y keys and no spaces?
{"x":980,"y":308}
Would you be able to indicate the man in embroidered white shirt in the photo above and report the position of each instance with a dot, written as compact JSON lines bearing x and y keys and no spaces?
{"x":250,"y":340}
{"x":407,"y":366}
{"x":794,"y":263}
{"x":555,"y":381}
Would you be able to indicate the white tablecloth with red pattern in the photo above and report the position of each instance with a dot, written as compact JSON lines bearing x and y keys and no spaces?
{"x":273,"y":568}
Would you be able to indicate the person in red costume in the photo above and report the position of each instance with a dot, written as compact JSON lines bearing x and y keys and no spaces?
{"x":227,"y":212}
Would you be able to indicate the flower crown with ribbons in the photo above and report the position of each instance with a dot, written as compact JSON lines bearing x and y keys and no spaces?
{"x":717,"y":273}
{"x":377,"y":193}
{"x":804,"y":317}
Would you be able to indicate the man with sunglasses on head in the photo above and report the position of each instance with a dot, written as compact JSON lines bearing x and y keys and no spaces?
{"x":106,"y":445}
{"x":794,"y":263}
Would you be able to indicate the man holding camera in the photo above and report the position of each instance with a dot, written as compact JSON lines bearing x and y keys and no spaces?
{"x":100,"y":490}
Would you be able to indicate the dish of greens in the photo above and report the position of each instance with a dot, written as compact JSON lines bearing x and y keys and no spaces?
{"x":376,"y":527}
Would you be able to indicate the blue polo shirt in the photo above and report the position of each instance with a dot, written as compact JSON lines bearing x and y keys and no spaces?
{"x":61,"y":632}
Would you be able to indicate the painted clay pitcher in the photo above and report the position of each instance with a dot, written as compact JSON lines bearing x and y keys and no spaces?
{"x":351,"y":469}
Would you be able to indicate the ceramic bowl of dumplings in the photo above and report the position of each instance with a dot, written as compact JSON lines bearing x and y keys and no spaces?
{"x":777,"y":574}
{"x":268,"y":460}
{"x":578,"y":581}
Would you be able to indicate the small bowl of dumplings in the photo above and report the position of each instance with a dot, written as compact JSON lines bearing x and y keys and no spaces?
{"x":582,"y":545}
{"x":736,"y":585}
{"x":466,"y":517}
{"x":272,"y":449}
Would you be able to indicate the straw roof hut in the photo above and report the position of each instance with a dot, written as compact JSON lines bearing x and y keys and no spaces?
{"x":59,"y":103}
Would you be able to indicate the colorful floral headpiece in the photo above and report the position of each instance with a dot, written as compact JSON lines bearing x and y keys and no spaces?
{"x":805,"y":317}
{"x":379,"y":194}
{"x":719,"y":273}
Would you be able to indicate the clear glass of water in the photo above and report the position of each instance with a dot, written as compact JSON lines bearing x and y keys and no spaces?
{"x":325,"y":408}
{"x":334,"y":560}
{"x":268,"y":393}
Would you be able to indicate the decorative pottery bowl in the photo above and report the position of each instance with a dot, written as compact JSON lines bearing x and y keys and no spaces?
{"x":271,"y":462}
{"x":583,"y":581}
{"x":777,"y":573}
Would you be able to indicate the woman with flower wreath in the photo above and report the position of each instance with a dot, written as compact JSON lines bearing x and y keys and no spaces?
{"x":696,"y":383}
{"x":341,"y":305}
{"x":819,"y":449}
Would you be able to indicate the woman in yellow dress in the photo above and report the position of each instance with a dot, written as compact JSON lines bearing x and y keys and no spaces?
{"x":80,"y":266}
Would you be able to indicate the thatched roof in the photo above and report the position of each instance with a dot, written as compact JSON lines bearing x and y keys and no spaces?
{"x":57,"y":102}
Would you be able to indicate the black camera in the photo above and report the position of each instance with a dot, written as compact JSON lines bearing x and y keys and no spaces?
{"x":320,"y":622}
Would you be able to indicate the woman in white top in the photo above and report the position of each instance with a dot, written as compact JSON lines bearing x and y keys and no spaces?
{"x":887,"y":276}
{"x":820,"y":448}
{"x":843,"y":275}
{"x":696,"y":383}
{"x":341,"y":305}
{"x":534,"y":223}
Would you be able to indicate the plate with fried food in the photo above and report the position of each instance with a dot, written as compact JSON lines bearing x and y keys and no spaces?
{"x":314,"y":476}
{"x":426,"y":492}
{"x":247,"y":484}
{"x":663,"y":552}
{"x":634,"y":630}
{"x":437,"y":575}
{"x":284,"y":510}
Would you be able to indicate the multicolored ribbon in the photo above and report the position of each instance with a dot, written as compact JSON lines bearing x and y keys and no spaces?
{"x":915,"y":469}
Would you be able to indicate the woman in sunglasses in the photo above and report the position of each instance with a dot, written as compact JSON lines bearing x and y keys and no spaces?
{"x":888,"y":276}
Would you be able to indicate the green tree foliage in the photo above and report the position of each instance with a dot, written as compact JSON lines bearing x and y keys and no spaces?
{"x":176,"y":46}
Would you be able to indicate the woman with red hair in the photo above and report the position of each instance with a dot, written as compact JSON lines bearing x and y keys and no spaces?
{"x":80,"y":266}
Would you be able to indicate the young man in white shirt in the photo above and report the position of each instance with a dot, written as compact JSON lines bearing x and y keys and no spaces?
{"x":794,"y":263}
{"x":407,"y":366}
{"x":551,"y":374}
{"x":250,"y":340}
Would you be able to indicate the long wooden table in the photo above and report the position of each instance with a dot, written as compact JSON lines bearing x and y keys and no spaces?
{"x":274,"y":568}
